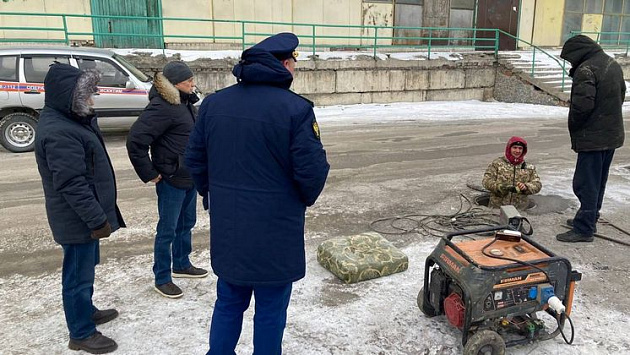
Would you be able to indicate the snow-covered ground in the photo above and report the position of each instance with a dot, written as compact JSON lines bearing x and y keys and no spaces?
{"x":434,"y":111}
{"x":325,"y":317}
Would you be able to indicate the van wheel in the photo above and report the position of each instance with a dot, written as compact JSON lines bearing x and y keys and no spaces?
{"x":17,"y":132}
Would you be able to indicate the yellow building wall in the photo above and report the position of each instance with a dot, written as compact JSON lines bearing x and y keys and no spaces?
{"x":547,"y":27}
{"x":306,"y":12}
{"x":331,"y":12}
{"x":251,"y":10}
{"x":68,"y":7}
{"x":198,"y":9}
{"x":526,"y":22}
{"x":377,"y":14}
{"x":592,"y":23}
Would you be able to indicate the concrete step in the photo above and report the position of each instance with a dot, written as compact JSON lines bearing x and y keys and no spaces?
{"x":508,"y":56}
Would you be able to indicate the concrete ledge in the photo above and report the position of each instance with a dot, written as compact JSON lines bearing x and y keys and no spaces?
{"x":324,"y":79}
{"x":398,"y":96}
{"x":361,"y":80}
{"x":340,"y":99}
{"x":455,"y":95}
{"x":447,"y":79}
{"x":479,"y":78}
{"x":416,"y":80}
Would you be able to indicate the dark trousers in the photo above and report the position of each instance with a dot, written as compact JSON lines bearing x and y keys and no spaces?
{"x":77,"y":281}
{"x":589,"y":185}
{"x":177,"y":209}
{"x":270,"y":317}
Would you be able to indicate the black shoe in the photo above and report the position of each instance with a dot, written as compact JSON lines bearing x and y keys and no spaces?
{"x":169,"y":290}
{"x":96,"y":343}
{"x":104,"y":316}
{"x":192,"y":272}
{"x":570,"y":224}
{"x":573,"y":237}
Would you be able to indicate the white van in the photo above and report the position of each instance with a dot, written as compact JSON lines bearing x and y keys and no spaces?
{"x":123,"y":89}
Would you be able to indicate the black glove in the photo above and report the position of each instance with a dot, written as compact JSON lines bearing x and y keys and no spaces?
{"x":103,"y":231}
{"x":205,"y":202}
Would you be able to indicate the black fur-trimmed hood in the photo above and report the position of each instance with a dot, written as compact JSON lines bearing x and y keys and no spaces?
{"x":68,"y":89}
{"x":86,"y":87}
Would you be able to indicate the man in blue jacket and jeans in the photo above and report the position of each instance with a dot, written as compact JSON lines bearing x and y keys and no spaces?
{"x":256,"y":155}
{"x":163,"y":129}
{"x":80,"y":191}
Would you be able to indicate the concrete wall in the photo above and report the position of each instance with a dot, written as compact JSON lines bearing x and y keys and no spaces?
{"x":78,"y":7}
{"x":334,"y":82}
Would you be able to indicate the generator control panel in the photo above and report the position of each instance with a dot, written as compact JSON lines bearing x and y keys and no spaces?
{"x":502,"y":298}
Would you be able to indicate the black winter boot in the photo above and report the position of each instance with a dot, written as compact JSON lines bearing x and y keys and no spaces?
{"x":104,"y":316}
{"x":573,"y":237}
{"x":96,"y":343}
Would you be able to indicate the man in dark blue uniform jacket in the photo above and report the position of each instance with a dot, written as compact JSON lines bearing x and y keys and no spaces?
{"x":80,"y":191}
{"x":256,"y":155}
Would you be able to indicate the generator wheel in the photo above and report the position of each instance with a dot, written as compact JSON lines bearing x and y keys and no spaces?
{"x":426,"y":309}
{"x":485,"y":342}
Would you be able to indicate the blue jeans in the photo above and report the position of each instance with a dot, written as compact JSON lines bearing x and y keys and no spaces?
{"x":77,"y":283}
{"x":270,"y":317}
{"x":589,"y":185}
{"x":173,"y":244}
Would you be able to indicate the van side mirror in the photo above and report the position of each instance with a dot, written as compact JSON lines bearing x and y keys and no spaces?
{"x":130,"y":85}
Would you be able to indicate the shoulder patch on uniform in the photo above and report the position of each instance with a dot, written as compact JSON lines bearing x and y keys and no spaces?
{"x":316,"y":129}
{"x":303,"y":98}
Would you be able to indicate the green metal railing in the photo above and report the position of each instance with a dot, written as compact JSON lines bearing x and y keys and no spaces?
{"x":313,"y":37}
{"x":534,"y":48}
{"x":620,"y":40}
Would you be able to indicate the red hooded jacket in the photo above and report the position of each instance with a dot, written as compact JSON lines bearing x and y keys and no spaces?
{"x":508,"y":154}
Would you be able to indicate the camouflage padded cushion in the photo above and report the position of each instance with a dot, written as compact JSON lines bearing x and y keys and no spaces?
{"x":361,"y":257}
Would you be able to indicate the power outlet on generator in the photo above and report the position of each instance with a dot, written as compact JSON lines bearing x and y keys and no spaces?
{"x":545,"y":292}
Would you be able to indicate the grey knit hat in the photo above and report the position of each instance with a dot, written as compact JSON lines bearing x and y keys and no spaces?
{"x":177,"y":71}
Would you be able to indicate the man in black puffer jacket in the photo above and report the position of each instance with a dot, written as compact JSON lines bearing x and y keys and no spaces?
{"x":595,"y":126}
{"x":163,"y":128}
{"x":80,"y":191}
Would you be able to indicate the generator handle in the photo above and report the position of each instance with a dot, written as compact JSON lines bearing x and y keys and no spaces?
{"x":450,"y":235}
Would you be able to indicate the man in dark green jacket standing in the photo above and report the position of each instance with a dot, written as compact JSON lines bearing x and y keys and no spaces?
{"x":595,"y":126}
